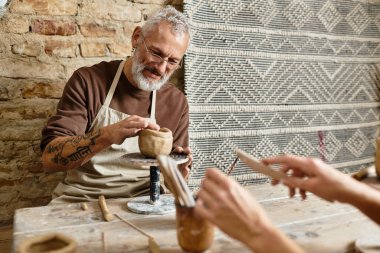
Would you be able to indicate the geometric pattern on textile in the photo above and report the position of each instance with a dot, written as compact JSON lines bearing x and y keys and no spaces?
{"x":273,"y":77}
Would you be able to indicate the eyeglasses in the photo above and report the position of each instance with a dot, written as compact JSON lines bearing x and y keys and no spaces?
{"x":173,"y":64}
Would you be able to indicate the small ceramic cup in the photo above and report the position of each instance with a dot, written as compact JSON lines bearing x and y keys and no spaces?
{"x":48,"y":243}
{"x":153,"y":143}
{"x":194,"y":234}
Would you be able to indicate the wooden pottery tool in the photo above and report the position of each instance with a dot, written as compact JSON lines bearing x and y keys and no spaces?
{"x":103,"y":206}
{"x":153,"y":246}
{"x":176,"y":182}
{"x":258,"y":166}
{"x":104,"y":242}
{"x":232,"y":166}
{"x":84,"y":206}
{"x":362,"y":173}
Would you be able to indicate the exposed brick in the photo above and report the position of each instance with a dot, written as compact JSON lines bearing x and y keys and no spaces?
{"x":26,"y":68}
{"x":30,"y":88}
{"x":27,"y":48}
{"x":44,"y":7}
{"x":103,"y":10}
{"x":53,"y":27}
{"x":122,"y":50}
{"x":22,"y":130}
{"x":36,"y":168}
{"x":96,"y":30}
{"x":25,"y":109}
{"x":42,"y":90}
{"x":128,"y":28}
{"x":6,"y":195}
{"x":93,"y":49}
{"x":14,"y":24}
{"x":59,"y":48}
{"x":76,"y":63}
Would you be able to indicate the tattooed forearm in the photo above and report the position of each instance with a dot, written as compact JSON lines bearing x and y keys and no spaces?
{"x":80,"y":144}
{"x":80,"y":153}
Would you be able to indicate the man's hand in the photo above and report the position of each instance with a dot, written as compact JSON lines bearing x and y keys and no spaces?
{"x":128,"y":127}
{"x":185,"y":167}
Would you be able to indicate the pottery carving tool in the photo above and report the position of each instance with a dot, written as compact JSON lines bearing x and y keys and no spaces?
{"x":153,"y":246}
{"x":232,"y":166}
{"x":176,"y":181}
{"x":258,"y":166}
{"x":104,"y":242}
{"x":103,"y":206}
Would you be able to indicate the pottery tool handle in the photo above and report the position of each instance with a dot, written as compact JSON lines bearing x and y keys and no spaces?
{"x":103,"y":206}
{"x":232,"y":166}
{"x":84,"y":206}
{"x":258,"y":166}
{"x":153,"y":247}
{"x":362,"y":173}
{"x":134,"y":226}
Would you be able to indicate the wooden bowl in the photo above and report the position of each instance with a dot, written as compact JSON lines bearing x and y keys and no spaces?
{"x":153,"y":143}
{"x":48,"y":243}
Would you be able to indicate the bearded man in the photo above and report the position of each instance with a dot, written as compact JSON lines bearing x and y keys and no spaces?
{"x":103,"y":108}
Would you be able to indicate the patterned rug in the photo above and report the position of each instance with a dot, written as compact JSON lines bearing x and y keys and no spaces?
{"x":273,"y":77}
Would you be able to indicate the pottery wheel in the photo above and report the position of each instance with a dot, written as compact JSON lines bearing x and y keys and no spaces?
{"x":144,"y":205}
{"x":137,"y":159}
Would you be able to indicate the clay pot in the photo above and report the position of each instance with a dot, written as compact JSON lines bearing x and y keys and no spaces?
{"x":153,"y":143}
{"x":48,"y":243}
{"x":194,"y":234}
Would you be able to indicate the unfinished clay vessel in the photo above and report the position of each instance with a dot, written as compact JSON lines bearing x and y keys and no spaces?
{"x":48,"y":243}
{"x":153,"y":143}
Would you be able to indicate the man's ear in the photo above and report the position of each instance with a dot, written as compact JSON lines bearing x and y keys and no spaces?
{"x":136,"y":36}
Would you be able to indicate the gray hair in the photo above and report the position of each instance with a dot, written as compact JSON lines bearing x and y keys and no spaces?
{"x":169,"y":14}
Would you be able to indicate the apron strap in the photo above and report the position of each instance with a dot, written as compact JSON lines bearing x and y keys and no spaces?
{"x":114,"y":84}
{"x":153,"y":107}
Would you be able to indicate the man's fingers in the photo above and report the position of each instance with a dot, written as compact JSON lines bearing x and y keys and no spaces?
{"x":181,"y":150}
{"x":140,"y":122}
{"x":152,"y":126}
{"x":178,"y":149}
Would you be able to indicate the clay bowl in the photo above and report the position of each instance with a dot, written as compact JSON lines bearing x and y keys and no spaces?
{"x":153,"y":143}
{"x":48,"y":243}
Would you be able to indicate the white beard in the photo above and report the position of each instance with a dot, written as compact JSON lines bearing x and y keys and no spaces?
{"x":143,"y":83}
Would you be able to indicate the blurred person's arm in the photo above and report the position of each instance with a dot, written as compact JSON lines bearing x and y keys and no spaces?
{"x":222,"y":201}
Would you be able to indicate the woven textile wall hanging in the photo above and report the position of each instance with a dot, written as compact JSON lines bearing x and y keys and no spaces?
{"x":274,"y":76}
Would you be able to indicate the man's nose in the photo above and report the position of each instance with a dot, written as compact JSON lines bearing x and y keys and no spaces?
{"x":162,"y":66}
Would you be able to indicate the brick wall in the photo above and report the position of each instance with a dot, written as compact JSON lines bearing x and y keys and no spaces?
{"x":41,"y":43}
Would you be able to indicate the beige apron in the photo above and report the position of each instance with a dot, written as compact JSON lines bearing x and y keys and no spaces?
{"x":106,"y":174}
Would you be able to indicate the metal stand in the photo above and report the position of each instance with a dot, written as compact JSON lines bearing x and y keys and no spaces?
{"x":154,"y":203}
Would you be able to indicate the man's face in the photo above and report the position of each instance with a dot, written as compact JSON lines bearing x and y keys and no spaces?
{"x":157,"y":56}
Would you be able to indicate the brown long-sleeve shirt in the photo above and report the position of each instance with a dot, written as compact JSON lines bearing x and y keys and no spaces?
{"x":86,"y":91}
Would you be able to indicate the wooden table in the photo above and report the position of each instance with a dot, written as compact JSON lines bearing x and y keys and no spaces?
{"x":318,"y":226}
